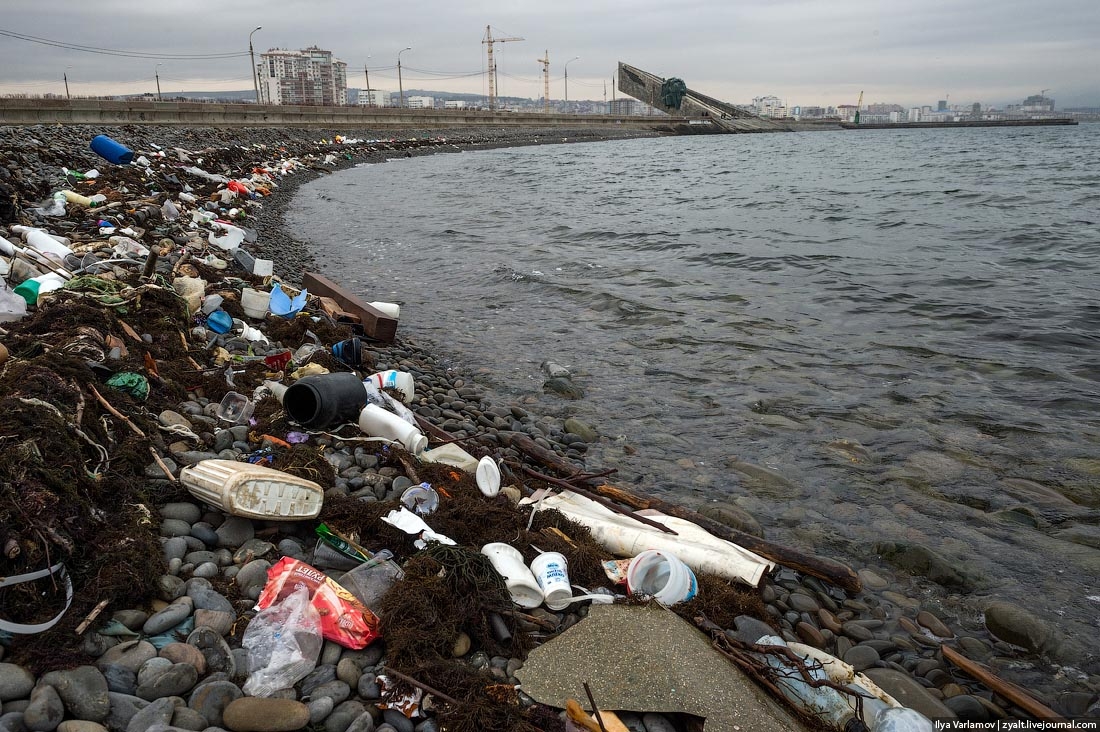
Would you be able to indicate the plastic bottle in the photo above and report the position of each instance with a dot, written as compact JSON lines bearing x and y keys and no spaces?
{"x":901,"y":719}
{"x":377,"y":422}
{"x":828,"y":704}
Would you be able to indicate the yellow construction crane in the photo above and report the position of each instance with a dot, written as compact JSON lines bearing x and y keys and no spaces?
{"x":489,"y":41}
{"x":859,"y":106}
{"x":545,"y":61}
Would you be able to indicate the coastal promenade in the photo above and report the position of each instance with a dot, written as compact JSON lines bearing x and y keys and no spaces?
{"x":93,"y":111}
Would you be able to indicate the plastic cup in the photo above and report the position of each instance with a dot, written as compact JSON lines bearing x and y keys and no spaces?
{"x":552,"y":573}
{"x":522,"y":585}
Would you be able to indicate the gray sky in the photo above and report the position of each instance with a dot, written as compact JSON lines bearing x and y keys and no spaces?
{"x":910,"y":52}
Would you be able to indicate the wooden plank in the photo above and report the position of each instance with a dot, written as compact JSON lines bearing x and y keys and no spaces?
{"x":334,"y":311}
{"x":376,"y":324}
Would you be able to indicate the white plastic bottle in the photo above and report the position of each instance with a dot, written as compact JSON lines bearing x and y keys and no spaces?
{"x":377,"y":422}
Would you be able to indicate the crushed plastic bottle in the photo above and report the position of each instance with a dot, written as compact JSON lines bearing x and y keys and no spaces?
{"x":901,"y":719}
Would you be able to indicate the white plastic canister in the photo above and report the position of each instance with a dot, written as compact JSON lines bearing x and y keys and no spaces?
{"x":662,"y":576}
{"x":253,"y":491}
{"x":392,"y":379}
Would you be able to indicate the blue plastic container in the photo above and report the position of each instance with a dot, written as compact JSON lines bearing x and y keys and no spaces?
{"x":111,"y":151}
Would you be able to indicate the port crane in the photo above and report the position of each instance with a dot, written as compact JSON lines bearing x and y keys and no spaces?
{"x":859,"y":105}
{"x":545,"y":61}
{"x":489,"y":41}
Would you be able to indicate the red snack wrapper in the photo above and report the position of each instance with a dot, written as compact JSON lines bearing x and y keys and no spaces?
{"x":344,"y":619}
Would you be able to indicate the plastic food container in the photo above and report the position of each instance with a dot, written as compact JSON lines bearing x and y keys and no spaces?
{"x":235,"y":408}
{"x":252,"y":491}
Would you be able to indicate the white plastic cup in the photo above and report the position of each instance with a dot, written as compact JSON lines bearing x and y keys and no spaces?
{"x":255,"y":302}
{"x":552,"y":573}
{"x":391,"y":309}
{"x":393,"y":379}
{"x":378,"y":422}
{"x":522,"y":585}
{"x":662,"y":576}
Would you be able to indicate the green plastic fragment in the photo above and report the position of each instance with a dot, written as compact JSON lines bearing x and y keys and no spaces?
{"x":134,"y":384}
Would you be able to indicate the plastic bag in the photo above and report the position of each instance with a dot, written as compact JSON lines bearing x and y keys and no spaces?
{"x":344,"y":619}
{"x":284,"y":642}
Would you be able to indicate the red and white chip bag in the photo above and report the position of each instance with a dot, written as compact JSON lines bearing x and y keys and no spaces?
{"x":344,"y":619}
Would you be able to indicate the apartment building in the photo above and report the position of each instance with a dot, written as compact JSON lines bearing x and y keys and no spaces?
{"x":310,"y":76}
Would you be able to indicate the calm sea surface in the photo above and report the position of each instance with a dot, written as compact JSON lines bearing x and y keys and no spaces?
{"x":857,"y":337}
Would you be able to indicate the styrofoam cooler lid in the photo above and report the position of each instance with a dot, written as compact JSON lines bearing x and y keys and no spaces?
{"x":253,"y":491}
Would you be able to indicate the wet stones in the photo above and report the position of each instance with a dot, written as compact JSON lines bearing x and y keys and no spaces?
{"x":922,"y":561}
{"x":1012,"y":624}
{"x":254,"y":714}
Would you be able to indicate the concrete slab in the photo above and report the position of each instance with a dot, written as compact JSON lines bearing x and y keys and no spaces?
{"x":648,"y":659}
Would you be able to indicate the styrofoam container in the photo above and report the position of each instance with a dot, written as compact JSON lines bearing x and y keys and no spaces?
{"x":508,"y":562}
{"x":252,"y":491}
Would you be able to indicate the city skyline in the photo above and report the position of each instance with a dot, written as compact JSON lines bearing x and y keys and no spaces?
{"x":825,"y":54}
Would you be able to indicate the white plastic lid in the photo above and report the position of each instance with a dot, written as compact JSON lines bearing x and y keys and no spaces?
{"x":488,"y":476}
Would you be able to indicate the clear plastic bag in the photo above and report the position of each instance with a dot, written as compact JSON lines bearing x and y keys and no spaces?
{"x":284,"y":642}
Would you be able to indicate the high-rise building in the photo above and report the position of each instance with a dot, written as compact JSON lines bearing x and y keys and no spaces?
{"x":310,"y":77}
{"x":375,"y":98}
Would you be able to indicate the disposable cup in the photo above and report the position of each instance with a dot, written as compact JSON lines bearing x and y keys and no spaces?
{"x":521,"y":583}
{"x":552,"y":573}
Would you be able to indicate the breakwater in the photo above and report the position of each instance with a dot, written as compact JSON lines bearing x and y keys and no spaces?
{"x":797,"y":605}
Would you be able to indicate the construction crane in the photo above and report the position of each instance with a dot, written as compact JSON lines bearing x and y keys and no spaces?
{"x":859,"y":106}
{"x":489,"y":41}
{"x":545,"y":61}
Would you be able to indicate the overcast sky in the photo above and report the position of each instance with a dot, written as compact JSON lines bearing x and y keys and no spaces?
{"x":910,"y":52}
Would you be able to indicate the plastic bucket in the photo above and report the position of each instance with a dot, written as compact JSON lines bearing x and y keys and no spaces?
{"x":315,"y":402}
{"x":552,"y":573}
{"x":255,"y":302}
{"x":111,"y":151}
{"x":392,"y":379}
{"x":662,"y":576}
{"x":521,"y":583}
{"x":377,"y":422}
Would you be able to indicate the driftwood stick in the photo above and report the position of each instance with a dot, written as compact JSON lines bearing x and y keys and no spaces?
{"x":419,"y":685}
{"x":1006,"y":689}
{"x":820,"y":567}
{"x":115,"y":412}
{"x":602,"y":501}
{"x":91,"y":616}
{"x":161,"y":465}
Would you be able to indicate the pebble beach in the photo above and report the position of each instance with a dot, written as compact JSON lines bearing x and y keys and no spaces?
{"x":165,"y":652}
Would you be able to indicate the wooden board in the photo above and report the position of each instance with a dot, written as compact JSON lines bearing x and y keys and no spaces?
{"x":376,"y":324}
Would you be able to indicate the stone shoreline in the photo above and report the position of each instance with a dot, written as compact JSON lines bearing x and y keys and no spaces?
{"x":216,"y":565}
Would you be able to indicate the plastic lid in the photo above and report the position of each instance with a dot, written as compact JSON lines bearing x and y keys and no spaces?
{"x":488,"y":476}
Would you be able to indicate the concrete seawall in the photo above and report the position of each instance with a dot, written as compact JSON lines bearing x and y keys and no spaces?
{"x":91,"y":111}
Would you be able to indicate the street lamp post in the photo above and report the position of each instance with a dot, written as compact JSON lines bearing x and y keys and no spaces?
{"x":400,"y":85}
{"x":366,"y":75}
{"x":156,"y":73}
{"x":252,"y":57}
{"x":567,"y":78}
